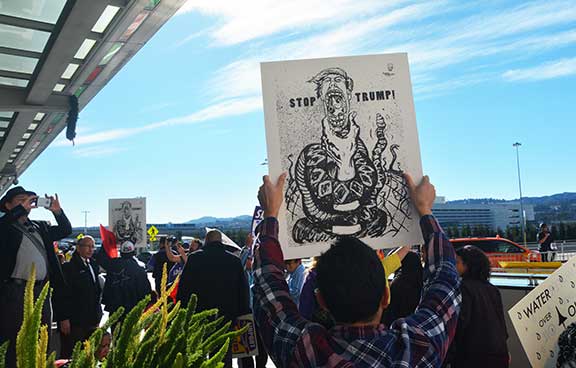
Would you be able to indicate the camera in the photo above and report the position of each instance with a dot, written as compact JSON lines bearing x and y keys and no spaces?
{"x":43,"y":202}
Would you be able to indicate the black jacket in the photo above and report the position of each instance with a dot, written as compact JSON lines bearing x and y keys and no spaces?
{"x":481,"y":335}
{"x":405,"y":289}
{"x":81,"y":299}
{"x":126,"y":282}
{"x":157,"y":262}
{"x":11,"y":238}
{"x":217,"y":277}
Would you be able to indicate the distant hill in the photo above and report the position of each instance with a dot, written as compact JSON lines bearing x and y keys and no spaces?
{"x":206,"y":220}
{"x":553,"y":208}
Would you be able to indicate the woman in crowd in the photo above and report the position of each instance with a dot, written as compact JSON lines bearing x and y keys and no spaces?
{"x":405,"y":289}
{"x":180,"y":259}
{"x":308,"y":305}
{"x":481,"y":334}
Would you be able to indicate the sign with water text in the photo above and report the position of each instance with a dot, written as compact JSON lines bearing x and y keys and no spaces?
{"x":545,"y":319}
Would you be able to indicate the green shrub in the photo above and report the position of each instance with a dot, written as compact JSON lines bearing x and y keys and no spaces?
{"x":166,"y":335}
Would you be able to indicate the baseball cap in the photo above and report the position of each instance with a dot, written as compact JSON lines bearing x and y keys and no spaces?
{"x":127,"y":247}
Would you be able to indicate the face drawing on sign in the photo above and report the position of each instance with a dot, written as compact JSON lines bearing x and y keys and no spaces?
{"x":342,"y":187}
{"x":128,"y":226}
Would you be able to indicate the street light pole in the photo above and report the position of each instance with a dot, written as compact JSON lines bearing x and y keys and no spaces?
{"x":85,"y":221}
{"x":523,"y":219}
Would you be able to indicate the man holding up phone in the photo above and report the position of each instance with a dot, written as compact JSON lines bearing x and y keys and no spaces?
{"x":24,"y":243}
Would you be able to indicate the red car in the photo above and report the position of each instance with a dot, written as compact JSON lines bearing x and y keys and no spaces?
{"x":499,"y":249}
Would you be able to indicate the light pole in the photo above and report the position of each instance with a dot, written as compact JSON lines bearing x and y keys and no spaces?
{"x":522,"y":218}
{"x":85,"y":221}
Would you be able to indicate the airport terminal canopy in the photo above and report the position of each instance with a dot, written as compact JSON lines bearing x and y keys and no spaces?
{"x":52,"y":49}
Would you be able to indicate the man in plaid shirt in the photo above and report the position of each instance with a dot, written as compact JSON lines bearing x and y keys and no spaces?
{"x":351,"y":286}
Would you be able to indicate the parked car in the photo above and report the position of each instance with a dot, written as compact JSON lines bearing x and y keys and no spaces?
{"x":499,"y":249}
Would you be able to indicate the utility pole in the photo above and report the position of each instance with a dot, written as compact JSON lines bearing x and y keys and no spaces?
{"x":85,"y":221}
{"x":522,"y":218}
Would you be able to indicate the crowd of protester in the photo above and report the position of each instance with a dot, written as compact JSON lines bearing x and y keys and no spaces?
{"x":438,"y":310}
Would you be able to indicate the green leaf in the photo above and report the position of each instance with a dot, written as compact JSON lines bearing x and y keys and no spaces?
{"x":212,"y":326}
{"x":215,"y":335}
{"x":3,"y":350}
{"x":51,"y":359}
{"x":191,"y":308}
{"x":127,"y":332}
{"x":178,"y":362}
{"x":217,"y":358}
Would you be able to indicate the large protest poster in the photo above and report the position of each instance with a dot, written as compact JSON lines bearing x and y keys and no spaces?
{"x":127,"y":219}
{"x":544,"y":320}
{"x":345,"y":131}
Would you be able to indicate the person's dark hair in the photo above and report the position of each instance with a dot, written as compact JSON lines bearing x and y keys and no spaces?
{"x":351,"y":279}
{"x":476,"y":261}
{"x":127,"y":255}
{"x":411,"y":267}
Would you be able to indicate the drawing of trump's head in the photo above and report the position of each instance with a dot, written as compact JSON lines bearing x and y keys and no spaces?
{"x":334,"y":88}
{"x":127,"y":209}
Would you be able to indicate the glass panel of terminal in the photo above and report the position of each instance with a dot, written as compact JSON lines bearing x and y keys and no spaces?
{"x":23,"y":38}
{"x":46,"y":11}
{"x":20,"y":64}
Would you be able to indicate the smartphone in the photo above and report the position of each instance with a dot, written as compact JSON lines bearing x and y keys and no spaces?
{"x":44,"y":202}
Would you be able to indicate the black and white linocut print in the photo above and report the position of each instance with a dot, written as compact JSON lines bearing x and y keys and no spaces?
{"x":127,"y":218}
{"x":344,"y":130}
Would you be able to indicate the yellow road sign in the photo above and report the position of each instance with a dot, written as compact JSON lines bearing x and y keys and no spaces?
{"x":153,"y":231}
{"x":80,"y":236}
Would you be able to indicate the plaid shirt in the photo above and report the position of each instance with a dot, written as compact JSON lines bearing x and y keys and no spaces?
{"x":420,"y":340}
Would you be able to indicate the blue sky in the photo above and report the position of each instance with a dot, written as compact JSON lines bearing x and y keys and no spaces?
{"x":182,"y":123}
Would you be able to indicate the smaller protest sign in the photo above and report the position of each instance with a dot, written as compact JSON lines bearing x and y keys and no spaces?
{"x":246,"y":344}
{"x":257,"y":218}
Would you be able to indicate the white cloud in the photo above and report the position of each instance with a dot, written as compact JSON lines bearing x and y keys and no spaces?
{"x":251,"y":19}
{"x":191,"y":37}
{"x":222,"y":109}
{"x":549,"y":70}
{"x":489,"y":40}
{"x":242,"y":77}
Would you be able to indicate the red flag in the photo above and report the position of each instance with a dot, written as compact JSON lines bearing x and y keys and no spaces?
{"x":109,"y":242}
{"x":175,"y":291}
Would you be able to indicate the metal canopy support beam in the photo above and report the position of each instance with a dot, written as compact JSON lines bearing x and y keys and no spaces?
{"x":19,"y":127}
{"x":26,"y":23}
{"x":19,"y":52}
{"x":14,"y":99}
{"x":119,"y":3}
{"x":161,"y":14}
{"x":9,"y":74}
{"x":78,"y":23}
